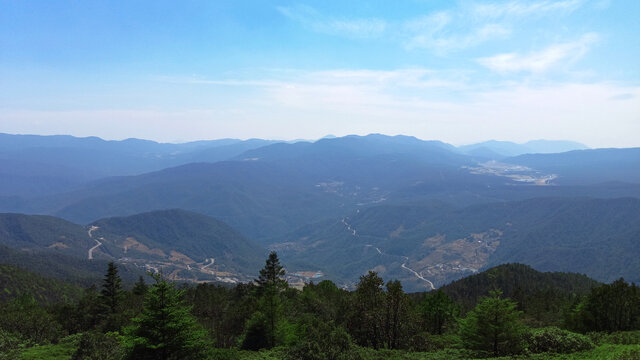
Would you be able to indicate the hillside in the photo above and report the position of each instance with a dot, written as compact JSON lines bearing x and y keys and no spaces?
{"x":39,"y":231}
{"x":430,"y":245}
{"x":587,"y":166}
{"x":184,"y":245}
{"x":15,"y":282}
{"x":178,"y":238}
{"x":519,"y":282}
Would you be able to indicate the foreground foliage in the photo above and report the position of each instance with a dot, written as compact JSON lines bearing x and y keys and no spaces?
{"x":269,"y":320}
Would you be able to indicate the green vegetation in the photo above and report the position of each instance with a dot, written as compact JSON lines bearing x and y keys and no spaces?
{"x":15,"y":282}
{"x":269,"y":320}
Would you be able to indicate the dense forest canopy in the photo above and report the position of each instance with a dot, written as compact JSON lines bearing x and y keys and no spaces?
{"x":507,"y":310}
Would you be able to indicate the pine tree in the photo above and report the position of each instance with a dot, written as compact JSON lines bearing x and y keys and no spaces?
{"x":261,"y":330}
{"x":111,"y":293}
{"x":271,"y":275}
{"x":140,"y":287}
{"x":165,"y":329}
{"x":493,"y":325}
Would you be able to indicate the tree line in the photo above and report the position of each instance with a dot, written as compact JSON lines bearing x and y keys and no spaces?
{"x":163,"y":320}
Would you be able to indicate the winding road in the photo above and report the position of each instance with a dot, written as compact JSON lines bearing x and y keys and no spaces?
{"x":404,"y":266}
{"x":91,"y":230}
{"x":209,"y":264}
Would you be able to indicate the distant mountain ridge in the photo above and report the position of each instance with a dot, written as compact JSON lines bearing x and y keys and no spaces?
{"x":496,"y":150}
{"x":271,"y":190}
{"x":36,"y":165}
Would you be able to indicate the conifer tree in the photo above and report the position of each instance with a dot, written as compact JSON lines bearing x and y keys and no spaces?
{"x":165,"y":329}
{"x":261,"y":331}
{"x":493,"y":326}
{"x":111,"y":293}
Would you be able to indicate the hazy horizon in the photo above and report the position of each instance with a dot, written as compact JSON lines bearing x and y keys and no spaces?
{"x":460,"y":72}
{"x":300,"y":139}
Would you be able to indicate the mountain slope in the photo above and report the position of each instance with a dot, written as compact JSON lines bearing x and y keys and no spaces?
{"x":185,"y":245}
{"x":519,"y":282}
{"x":40,"y":231}
{"x":182,"y":235}
{"x":586,"y":166}
{"x":15,"y":282}
{"x":431,"y":245}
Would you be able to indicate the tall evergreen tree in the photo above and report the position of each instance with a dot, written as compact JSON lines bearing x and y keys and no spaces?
{"x":262,"y":327}
{"x":493,"y":326}
{"x":271,"y":276}
{"x":111,"y":293}
{"x":165,"y":329}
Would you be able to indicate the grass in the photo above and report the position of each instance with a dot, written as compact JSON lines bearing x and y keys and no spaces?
{"x":66,"y":348}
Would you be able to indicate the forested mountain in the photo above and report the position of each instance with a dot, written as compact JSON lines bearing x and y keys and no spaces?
{"x":40,"y":231}
{"x":587,"y":166}
{"x":181,"y":237}
{"x":429,"y":245}
{"x":272,"y":190}
{"x":521,"y":283}
{"x":420,"y":211}
{"x":16,"y":282}
{"x":185,"y":245}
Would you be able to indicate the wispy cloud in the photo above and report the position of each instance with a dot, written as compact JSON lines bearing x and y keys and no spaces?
{"x":465,"y":26}
{"x":314,"y":20}
{"x":523,"y":8}
{"x":433,"y":32}
{"x":540,"y":61}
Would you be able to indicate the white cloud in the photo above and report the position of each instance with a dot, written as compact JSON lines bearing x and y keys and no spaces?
{"x":422,"y":102}
{"x":517,"y":9}
{"x":540,"y":61}
{"x":472,"y":24}
{"x":468,"y":25}
{"x":356,"y":28}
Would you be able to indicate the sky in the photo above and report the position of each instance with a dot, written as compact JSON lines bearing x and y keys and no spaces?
{"x":456,"y":71}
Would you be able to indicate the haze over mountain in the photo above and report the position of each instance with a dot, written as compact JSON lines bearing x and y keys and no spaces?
{"x":36,"y":165}
{"x":500,"y":149}
{"x":421,"y":211}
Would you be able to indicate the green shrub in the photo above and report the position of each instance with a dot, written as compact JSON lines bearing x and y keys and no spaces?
{"x":224,"y":354}
{"x":430,"y":343}
{"x":555,"y":340}
{"x":619,"y":337}
{"x":630,"y":354}
{"x":98,"y":346}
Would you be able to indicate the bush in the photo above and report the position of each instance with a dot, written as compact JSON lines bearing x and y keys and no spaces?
{"x":426,"y":342}
{"x":10,"y":343}
{"x":318,"y":340}
{"x":98,"y":346}
{"x":619,"y":337}
{"x":223,"y":354}
{"x":555,"y":340}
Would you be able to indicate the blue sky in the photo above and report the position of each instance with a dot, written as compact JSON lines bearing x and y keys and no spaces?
{"x":458,"y":71}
